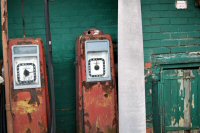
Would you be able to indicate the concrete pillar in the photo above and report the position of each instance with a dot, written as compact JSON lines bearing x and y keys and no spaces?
{"x":132,"y":117}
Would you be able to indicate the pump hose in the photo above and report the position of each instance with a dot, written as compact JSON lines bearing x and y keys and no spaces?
{"x":2,"y":109}
{"x":52,"y":129}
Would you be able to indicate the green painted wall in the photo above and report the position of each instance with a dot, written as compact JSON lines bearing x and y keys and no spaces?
{"x":168,"y":30}
{"x":69,"y":18}
{"x":165,"y":27}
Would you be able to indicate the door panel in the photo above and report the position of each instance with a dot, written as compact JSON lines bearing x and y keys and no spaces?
{"x":179,"y":99}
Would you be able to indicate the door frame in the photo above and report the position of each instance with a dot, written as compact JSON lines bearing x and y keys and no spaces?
{"x":163,"y":62}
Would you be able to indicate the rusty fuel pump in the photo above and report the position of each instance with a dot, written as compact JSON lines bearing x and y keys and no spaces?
{"x":96,"y":93}
{"x":29,"y":98}
{"x":28,"y":107}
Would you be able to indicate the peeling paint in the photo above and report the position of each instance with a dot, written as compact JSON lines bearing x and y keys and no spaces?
{"x":150,"y":91}
{"x":180,"y":81}
{"x":191,"y":74}
{"x":177,"y":92}
{"x":194,"y":53}
{"x":184,"y":93}
{"x":187,"y":87}
{"x":193,"y":106}
{"x":179,"y":108}
{"x":181,"y":122}
{"x":25,"y":108}
{"x":173,"y":121}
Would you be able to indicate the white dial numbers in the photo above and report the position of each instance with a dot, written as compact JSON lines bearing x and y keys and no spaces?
{"x":97,"y":54}
{"x":96,"y":67}
{"x":26,"y":66}
{"x":26,"y":73}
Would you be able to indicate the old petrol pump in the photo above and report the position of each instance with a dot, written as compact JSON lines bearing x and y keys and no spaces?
{"x":96,"y":85}
{"x":28,"y":108}
{"x":28,"y":85}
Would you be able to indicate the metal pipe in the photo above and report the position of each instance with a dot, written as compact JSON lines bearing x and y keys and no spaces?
{"x":4,"y":24}
{"x":50,"y":67}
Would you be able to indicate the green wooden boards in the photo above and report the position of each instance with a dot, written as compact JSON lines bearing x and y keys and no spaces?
{"x":176,"y":81}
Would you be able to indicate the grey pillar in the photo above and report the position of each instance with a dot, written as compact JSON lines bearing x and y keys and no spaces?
{"x":131,"y":68}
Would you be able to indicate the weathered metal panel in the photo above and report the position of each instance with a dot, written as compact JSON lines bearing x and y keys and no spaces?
{"x":30,"y":107}
{"x":96,"y":101}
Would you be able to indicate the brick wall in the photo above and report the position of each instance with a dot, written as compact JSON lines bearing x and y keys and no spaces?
{"x":69,"y":18}
{"x":168,"y":30}
{"x":165,"y":27}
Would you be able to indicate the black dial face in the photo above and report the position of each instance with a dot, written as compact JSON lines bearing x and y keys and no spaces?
{"x":26,"y":73}
{"x":96,"y":67}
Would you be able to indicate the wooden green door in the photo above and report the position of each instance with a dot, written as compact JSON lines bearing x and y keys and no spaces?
{"x":178,"y":101}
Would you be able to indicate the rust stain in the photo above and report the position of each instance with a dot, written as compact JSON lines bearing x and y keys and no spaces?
{"x":42,"y":82}
{"x":88,"y":124}
{"x":108,"y":87}
{"x":88,"y":85}
{"x":148,"y":65}
{"x":99,"y":130}
{"x":28,"y":130}
{"x":29,"y":117}
{"x":149,"y":130}
{"x":22,"y":43}
{"x":14,"y":95}
{"x":99,"y":100}
{"x":42,"y":127}
{"x":34,"y":98}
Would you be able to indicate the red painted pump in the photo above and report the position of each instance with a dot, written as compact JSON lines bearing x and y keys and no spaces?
{"x":28,"y":86}
{"x":96,"y":93}
{"x":29,"y":99}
